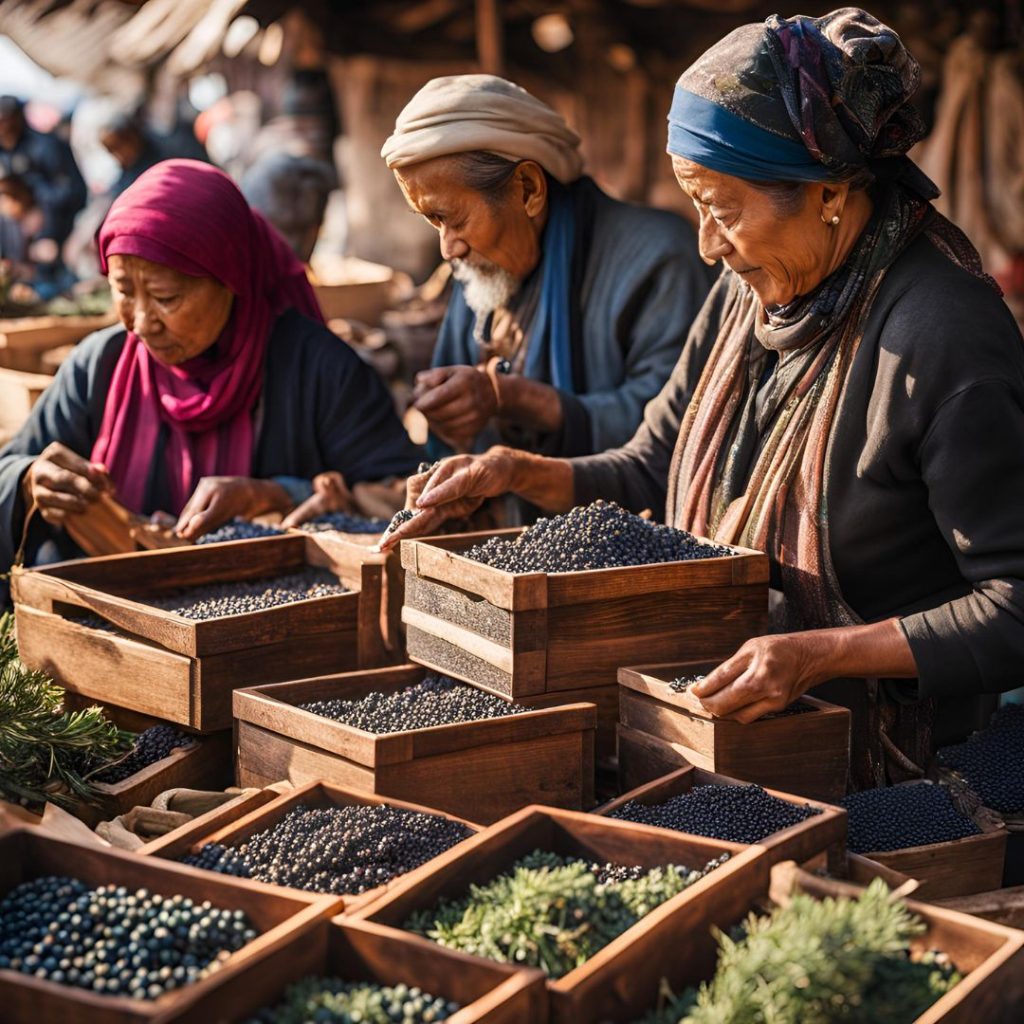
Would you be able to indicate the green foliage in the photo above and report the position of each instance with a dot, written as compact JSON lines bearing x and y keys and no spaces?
{"x":549,"y":911}
{"x":333,"y":1001}
{"x":819,"y":962}
{"x":43,"y":749}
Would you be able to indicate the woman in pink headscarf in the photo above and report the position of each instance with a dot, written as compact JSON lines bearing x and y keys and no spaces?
{"x":222,"y":394}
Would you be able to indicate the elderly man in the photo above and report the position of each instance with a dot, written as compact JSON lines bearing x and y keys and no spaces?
{"x":570,"y":308}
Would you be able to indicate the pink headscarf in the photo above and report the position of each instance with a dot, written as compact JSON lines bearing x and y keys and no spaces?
{"x":191,"y":217}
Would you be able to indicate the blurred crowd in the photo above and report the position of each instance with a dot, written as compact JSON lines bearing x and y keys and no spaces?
{"x":49,"y":216}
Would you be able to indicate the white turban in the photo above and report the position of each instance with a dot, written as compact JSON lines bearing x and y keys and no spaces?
{"x":467,"y":113}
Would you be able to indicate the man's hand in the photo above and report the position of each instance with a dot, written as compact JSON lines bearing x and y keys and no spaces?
{"x":458,"y":402}
{"x":330,"y":494}
{"x":219,"y":499}
{"x":61,"y":483}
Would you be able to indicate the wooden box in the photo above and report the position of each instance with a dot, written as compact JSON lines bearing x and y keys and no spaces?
{"x":990,"y":957}
{"x":257,"y":819}
{"x":361,"y":951}
{"x":178,"y":669}
{"x":527,"y":634}
{"x":479,"y":770}
{"x":960,"y":867}
{"x":807,"y":754}
{"x":27,"y":853}
{"x":207,"y":764}
{"x":719,"y":896}
{"x":823,"y":832}
{"x":182,"y":837}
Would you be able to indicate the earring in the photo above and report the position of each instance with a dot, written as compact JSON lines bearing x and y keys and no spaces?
{"x":833,"y":222}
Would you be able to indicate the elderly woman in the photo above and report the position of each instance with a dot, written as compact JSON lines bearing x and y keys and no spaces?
{"x":850,"y":400}
{"x":570,"y":307}
{"x":221,"y":394}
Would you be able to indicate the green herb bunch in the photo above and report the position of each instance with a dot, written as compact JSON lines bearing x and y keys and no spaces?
{"x":333,"y":1001}
{"x":819,"y":962}
{"x":43,"y":748}
{"x":551,"y":912}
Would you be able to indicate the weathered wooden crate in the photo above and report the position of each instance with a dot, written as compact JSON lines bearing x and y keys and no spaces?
{"x":27,"y":853}
{"x":478,"y":770}
{"x":718,"y":897}
{"x":361,"y":951}
{"x":205,"y":765}
{"x":807,"y":754}
{"x":990,"y":957}
{"x":960,"y":867}
{"x":178,"y":669}
{"x":823,"y":833}
{"x":526,"y":634}
{"x":257,"y":819}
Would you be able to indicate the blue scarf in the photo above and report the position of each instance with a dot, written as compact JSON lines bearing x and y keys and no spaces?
{"x":716,"y":138}
{"x":549,"y":349}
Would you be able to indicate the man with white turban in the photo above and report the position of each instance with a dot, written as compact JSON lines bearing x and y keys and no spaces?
{"x":570,"y":308}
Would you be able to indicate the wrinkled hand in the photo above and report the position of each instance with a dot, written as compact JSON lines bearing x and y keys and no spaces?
{"x":330,"y":494}
{"x":61,"y":483}
{"x":766,"y":674}
{"x":456,"y":488}
{"x":219,"y":499}
{"x":458,"y":402}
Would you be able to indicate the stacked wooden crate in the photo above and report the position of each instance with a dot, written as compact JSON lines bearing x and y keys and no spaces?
{"x":542,"y":639}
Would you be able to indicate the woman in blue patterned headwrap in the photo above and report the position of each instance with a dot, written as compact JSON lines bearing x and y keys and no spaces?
{"x":850,"y":400}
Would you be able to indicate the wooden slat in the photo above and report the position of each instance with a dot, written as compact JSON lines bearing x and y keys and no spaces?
{"x":105,"y":666}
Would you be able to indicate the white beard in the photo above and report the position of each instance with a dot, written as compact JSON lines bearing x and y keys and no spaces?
{"x":485,"y":287}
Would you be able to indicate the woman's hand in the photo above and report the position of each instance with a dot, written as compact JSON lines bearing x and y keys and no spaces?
{"x":61,"y":483}
{"x":457,"y":487}
{"x":219,"y":499}
{"x":768,"y":673}
{"x":330,"y":494}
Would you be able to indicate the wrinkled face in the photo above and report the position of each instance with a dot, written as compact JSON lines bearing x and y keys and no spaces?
{"x":473,"y":227}
{"x":779,"y":256}
{"x":176,"y":316}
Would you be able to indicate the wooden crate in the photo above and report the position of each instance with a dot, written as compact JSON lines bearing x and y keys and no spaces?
{"x":990,"y":956}
{"x":361,"y":951}
{"x":27,"y":853}
{"x":178,"y":669}
{"x":23,"y":340}
{"x":525,"y":634}
{"x":205,"y":765}
{"x":807,"y":754}
{"x":257,"y":819}
{"x":479,"y":770}
{"x":960,"y":867}
{"x":718,"y":897}
{"x":825,"y":832}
